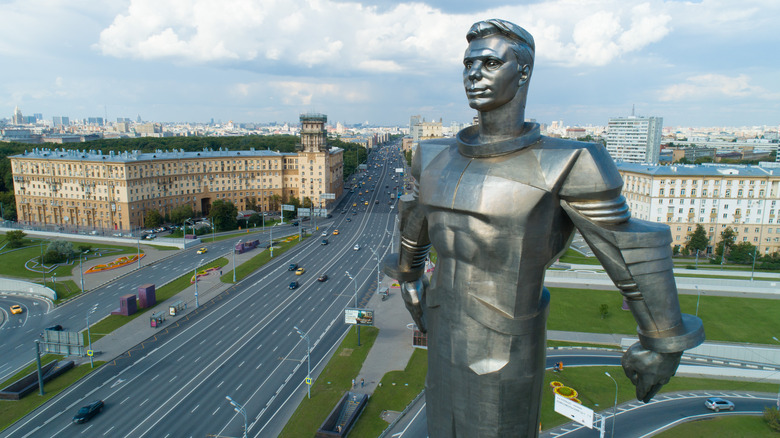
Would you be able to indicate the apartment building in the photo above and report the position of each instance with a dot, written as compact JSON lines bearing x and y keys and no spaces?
{"x":745,"y":198}
{"x":635,"y":139}
{"x":92,"y":190}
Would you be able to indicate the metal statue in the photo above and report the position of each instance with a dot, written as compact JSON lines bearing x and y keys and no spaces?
{"x":500,"y":203}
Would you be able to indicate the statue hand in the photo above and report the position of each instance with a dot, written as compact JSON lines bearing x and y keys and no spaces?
{"x":413,"y":293}
{"x":649,"y":370}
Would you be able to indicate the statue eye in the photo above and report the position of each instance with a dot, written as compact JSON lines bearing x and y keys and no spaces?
{"x":492,"y":63}
{"x":468,"y":64}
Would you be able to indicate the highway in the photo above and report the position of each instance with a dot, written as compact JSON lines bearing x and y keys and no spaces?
{"x":242,"y":344}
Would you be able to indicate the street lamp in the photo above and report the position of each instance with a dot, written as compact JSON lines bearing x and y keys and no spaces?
{"x":356,"y":305}
{"x":89,"y":335}
{"x":698,"y":296}
{"x":377,"y":267}
{"x":614,"y":409}
{"x":43,"y":268}
{"x":196,"y":282}
{"x":778,"y":389}
{"x":81,"y":268}
{"x":234,"y":260}
{"x":308,"y":357}
{"x":184,"y":232}
{"x":240,"y":409}
{"x":139,"y":251}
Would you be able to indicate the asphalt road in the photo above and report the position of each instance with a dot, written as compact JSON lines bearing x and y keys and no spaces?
{"x":240,"y":344}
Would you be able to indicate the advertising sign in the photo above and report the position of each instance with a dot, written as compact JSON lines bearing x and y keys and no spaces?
{"x":399,"y":170}
{"x":288,"y":207}
{"x":574,"y":411}
{"x":321,"y":212}
{"x":359,"y":316}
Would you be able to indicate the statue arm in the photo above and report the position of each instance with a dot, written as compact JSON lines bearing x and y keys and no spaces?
{"x":408,"y":265}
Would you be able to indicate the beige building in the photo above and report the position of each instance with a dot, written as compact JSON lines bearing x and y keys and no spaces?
{"x":745,"y":198}
{"x":92,"y":190}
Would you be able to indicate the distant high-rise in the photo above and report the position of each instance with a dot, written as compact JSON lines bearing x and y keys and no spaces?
{"x":17,"y":118}
{"x":635,"y":139}
{"x":60,"y":121}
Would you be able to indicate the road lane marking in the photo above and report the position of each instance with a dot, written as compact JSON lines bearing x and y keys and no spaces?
{"x":109,"y":430}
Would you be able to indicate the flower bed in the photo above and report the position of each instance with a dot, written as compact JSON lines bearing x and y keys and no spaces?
{"x":204,"y":272}
{"x":565,"y":391}
{"x":118,"y":263}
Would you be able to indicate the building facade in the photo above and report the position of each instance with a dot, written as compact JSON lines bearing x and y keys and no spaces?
{"x":91,"y":190}
{"x":745,"y":198}
{"x":635,"y":139}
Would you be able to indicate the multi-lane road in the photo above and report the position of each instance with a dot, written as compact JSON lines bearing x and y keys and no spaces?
{"x":241,"y":345}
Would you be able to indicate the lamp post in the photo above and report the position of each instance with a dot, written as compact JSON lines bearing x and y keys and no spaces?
{"x":234,"y":260}
{"x":698,"y":296}
{"x":240,"y":409}
{"x":753,"y":270}
{"x":356,"y":305}
{"x":81,"y":268}
{"x":614,"y":409}
{"x":308,"y":357}
{"x":43,"y":268}
{"x":89,"y":335}
{"x":184,"y":233}
{"x":376,"y":254}
{"x":139,"y":251}
{"x":778,"y":389}
{"x":196,"y":282}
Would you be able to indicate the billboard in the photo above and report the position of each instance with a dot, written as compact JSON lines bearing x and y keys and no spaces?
{"x":359,"y":316}
{"x":399,"y":170}
{"x":574,"y":411}
{"x":288,"y":207}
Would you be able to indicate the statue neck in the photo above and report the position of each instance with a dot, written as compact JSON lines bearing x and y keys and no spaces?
{"x":503,"y":123}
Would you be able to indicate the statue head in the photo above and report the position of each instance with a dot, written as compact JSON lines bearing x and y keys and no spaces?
{"x":497,"y":63}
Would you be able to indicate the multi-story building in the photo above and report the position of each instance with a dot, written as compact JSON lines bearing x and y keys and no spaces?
{"x":635,"y":139}
{"x":89,"y":189}
{"x":745,"y":198}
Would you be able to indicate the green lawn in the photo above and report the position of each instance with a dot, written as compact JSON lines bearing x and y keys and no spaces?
{"x":330,"y":386}
{"x":574,"y":257}
{"x":398,"y":389}
{"x":45,"y":359}
{"x":722,"y":427}
{"x":263,"y":257}
{"x":113,"y":322}
{"x":13,"y":410}
{"x":12,"y":262}
{"x":578,"y":310}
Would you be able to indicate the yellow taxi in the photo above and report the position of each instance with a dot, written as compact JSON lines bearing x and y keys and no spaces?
{"x":299,"y":271}
{"x":354,"y":204}
{"x":335,"y":232}
{"x":365,"y":203}
{"x":15,"y":309}
{"x":203,"y":250}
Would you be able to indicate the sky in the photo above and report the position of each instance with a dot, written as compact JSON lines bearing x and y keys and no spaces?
{"x":694,"y":63}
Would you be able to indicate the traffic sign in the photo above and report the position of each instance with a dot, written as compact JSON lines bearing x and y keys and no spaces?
{"x":308,"y":380}
{"x":90,"y":353}
{"x":574,"y":411}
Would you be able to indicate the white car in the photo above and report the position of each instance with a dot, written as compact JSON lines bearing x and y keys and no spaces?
{"x":324,"y":234}
{"x":356,"y":247}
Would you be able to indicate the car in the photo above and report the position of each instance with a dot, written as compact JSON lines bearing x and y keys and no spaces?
{"x":354,"y":212}
{"x":365,"y":203}
{"x":376,"y":202}
{"x":16,"y":309}
{"x":322,"y":277}
{"x":349,"y":219}
{"x":354,"y":204}
{"x":295,"y":224}
{"x":55,"y":328}
{"x":203,"y":250}
{"x":336,"y":232}
{"x":86,"y":412}
{"x":324,"y":242}
{"x":324,"y":234}
{"x":300,"y":271}
{"x":718,"y":404}
{"x":293,"y":285}
{"x":356,"y":247}
{"x":292,"y":267}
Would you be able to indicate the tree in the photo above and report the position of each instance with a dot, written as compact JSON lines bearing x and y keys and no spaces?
{"x":180,"y":213}
{"x":741,"y":253}
{"x":698,"y":240}
{"x":223,"y":215}
{"x":153,"y":219}
{"x":59,"y":251}
{"x":603,"y":310}
{"x":15,"y":238}
{"x":255,"y":219}
{"x":727,"y":238}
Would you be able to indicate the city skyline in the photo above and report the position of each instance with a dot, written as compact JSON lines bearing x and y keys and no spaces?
{"x":702,"y":63}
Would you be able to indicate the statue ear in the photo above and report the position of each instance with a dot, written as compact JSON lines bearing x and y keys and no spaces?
{"x":525,"y":73}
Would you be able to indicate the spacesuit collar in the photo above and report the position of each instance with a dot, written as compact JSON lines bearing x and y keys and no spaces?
{"x":467,"y":147}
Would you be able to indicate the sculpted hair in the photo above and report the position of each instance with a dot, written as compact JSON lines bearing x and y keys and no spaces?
{"x":522,"y":41}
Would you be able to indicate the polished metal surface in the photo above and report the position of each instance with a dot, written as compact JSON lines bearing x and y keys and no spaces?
{"x":499,"y":204}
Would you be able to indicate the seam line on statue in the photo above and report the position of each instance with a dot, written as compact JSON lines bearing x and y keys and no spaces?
{"x":457,"y":186}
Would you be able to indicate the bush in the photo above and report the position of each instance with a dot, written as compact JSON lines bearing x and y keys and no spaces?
{"x":603,"y":310}
{"x":84,"y":248}
{"x":772,"y":418}
{"x":59,"y":251}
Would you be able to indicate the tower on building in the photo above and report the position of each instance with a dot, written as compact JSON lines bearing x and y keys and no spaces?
{"x":635,"y":139}
{"x":313,"y":134}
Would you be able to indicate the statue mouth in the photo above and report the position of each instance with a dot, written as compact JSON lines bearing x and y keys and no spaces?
{"x":476,"y":91}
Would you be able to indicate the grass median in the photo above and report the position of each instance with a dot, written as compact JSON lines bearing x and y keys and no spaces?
{"x":280,"y":247}
{"x":578,"y":310}
{"x":113,"y":322}
{"x":335,"y":379}
{"x":12,"y":410}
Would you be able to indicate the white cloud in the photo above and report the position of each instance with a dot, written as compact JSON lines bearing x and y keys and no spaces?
{"x":709,"y":86}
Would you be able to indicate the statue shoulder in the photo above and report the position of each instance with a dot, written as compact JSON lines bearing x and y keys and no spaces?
{"x":426,"y":151}
{"x":582,"y":170}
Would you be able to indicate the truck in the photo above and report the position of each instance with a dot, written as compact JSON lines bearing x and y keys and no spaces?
{"x":392,"y":195}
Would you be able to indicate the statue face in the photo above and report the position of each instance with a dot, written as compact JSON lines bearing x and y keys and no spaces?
{"x":491,"y":73}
